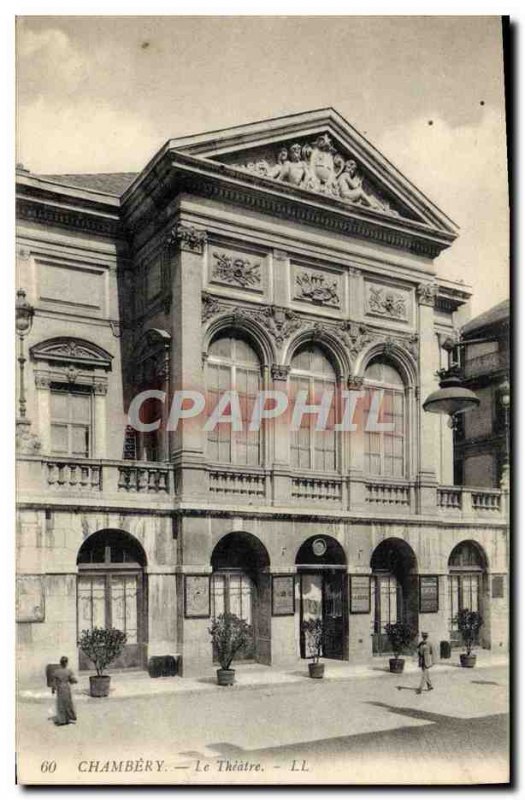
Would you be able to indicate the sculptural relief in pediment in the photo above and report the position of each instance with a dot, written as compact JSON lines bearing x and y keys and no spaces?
{"x":319,"y":167}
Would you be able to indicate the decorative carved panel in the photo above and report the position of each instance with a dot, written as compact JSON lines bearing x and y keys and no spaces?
{"x":382,"y":301}
{"x":317,"y":287}
{"x":234,"y":269}
{"x":387,"y":302}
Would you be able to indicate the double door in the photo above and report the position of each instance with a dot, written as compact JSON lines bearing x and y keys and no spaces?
{"x":113,"y":600}
{"x":323,"y":597}
{"x":388,"y":606}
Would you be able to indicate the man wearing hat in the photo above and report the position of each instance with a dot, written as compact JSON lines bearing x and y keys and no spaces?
{"x":425,"y":655}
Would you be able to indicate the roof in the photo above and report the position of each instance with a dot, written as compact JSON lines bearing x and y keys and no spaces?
{"x":494,"y":316}
{"x":114,"y":183}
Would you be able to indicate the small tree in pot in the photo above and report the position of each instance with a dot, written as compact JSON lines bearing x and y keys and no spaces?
{"x":229,"y":635}
{"x":102,"y":646}
{"x":400,"y":636}
{"x":314,"y":633}
{"x":469,"y":624}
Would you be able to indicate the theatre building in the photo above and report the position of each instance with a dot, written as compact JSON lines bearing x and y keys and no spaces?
{"x":282,"y":255}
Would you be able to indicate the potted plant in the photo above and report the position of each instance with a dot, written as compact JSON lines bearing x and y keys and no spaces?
{"x":229,"y":635}
{"x":313,"y":630}
{"x":400,"y":636}
{"x":469,"y":624}
{"x":102,"y":646}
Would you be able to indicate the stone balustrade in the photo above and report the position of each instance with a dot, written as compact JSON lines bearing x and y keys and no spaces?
{"x":382,"y":493}
{"x":238,"y":482}
{"x":79,"y":474}
{"x":313,"y":488}
{"x":119,"y":481}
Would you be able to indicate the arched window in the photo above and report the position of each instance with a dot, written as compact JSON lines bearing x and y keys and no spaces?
{"x":233,"y":365}
{"x":312,"y":372}
{"x":384,"y":451}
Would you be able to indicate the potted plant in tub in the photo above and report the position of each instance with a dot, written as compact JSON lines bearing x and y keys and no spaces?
{"x":229,"y":635}
{"x":313,"y":630}
{"x":400,"y":636}
{"x":469,"y":624}
{"x":102,"y":646}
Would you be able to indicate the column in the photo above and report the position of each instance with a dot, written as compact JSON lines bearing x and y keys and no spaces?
{"x":429,"y":440}
{"x":42,"y":383}
{"x":279,"y":430}
{"x":100,"y":433}
{"x":354,"y":443}
{"x":187,"y":247}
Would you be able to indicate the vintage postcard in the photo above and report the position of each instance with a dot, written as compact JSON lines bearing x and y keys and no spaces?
{"x":263,"y":400}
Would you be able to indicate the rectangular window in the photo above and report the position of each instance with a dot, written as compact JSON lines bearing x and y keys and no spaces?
{"x":71,"y":422}
{"x":384,"y":450}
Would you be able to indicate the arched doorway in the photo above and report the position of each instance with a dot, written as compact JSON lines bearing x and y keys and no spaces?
{"x":111,"y":592}
{"x":467,"y":567}
{"x":394,"y":590}
{"x":321,"y":564}
{"x":240,"y":585}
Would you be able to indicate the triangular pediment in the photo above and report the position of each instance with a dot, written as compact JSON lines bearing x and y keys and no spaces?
{"x":321,"y":153}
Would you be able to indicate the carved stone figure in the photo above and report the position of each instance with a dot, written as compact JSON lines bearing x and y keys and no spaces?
{"x":318,"y":167}
{"x":350,"y":184}
{"x":321,"y":162}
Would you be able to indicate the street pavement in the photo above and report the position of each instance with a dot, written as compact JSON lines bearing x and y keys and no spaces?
{"x":373,"y":729}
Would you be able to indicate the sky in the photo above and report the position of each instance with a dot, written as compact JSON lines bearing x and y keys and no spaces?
{"x":103,"y":93}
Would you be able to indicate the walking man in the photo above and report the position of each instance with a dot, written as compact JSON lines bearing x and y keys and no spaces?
{"x":425,"y":655}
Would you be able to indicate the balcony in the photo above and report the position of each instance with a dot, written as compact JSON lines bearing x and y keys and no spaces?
{"x":92,"y":481}
{"x":45,"y":480}
{"x":469,"y":501}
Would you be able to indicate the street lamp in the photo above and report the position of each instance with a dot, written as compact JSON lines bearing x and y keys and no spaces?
{"x":24,"y":312}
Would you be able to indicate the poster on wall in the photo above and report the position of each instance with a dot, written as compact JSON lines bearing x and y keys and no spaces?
{"x":30,"y":604}
{"x":359,"y":594}
{"x":197,"y":596}
{"x":428,"y":594}
{"x":283,"y":595}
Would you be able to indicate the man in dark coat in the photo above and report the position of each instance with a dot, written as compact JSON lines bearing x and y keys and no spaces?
{"x":426,"y":660}
{"x":62,"y":680}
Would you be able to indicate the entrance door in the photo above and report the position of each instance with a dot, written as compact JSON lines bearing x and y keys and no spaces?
{"x":112,"y":601}
{"x":333,"y":614}
{"x":465,"y":591}
{"x":111,"y":593}
{"x":387,"y":608}
{"x":234,"y":592}
{"x":322,"y":598}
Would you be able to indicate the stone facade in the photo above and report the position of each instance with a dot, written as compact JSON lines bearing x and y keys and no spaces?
{"x":135,"y":290}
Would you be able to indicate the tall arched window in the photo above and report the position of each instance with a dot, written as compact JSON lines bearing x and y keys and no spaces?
{"x":312,"y":372}
{"x":384,"y":451}
{"x":233,"y":365}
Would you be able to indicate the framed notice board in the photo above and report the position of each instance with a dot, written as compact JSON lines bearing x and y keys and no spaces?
{"x":359,"y":594}
{"x":428,"y":594}
{"x":283,"y":595}
{"x":196,"y":596}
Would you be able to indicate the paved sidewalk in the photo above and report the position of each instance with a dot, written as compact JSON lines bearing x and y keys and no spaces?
{"x":139,"y":684}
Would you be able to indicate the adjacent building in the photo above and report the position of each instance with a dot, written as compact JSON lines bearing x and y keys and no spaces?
{"x":287,"y":254}
{"x":482,"y":441}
